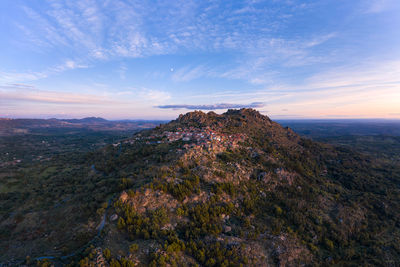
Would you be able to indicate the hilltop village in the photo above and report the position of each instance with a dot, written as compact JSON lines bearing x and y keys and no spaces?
{"x":195,"y":138}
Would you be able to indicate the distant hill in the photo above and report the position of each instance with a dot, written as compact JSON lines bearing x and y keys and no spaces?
{"x":87,"y":120}
{"x":10,"y":127}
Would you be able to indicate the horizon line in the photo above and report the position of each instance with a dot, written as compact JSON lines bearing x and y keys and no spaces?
{"x":277,"y":118}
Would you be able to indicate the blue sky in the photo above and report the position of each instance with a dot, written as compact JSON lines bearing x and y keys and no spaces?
{"x":156,"y":59}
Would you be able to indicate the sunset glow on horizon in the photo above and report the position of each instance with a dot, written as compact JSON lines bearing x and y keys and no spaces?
{"x":155,"y":60}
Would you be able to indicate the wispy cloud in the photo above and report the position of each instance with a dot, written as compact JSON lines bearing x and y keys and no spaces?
{"x":68,"y":65}
{"x":98,"y":31}
{"x":15,"y":77}
{"x":188,"y":73}
{"x":154,"y":96}
{"x":28,"y":93}
{"x":26,"y":100}
{"x":122,"y":71}
{"x":320,"y":39}
{"x":263,"y":61}
{"x":371,"y":73}
{"x":378,"y":6}
{"x":130,"y":29}
{"x":11,"y":77}
{"x":213,"y":106}
{"x":353,"y":91}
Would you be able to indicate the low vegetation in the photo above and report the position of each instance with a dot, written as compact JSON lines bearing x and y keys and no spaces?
{"x":273,"y":199}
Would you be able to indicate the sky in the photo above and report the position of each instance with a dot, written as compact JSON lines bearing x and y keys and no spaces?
{"x":289,"y":59}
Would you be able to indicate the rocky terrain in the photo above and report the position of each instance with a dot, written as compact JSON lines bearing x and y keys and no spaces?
{"x":238,"y":189}
{"x":269,"y":198}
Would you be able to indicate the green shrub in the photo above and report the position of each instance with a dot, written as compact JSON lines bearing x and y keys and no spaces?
{"x":107,"y":254}
{"x":329,"y":244}
{"x":133,"y":248}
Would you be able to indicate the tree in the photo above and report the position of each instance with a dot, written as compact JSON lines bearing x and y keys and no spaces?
{"x":107,"y":254}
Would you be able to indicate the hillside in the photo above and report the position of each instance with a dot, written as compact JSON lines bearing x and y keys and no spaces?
{"x":236,"y":189}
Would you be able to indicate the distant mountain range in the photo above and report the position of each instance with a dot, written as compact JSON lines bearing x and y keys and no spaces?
{"x":86,"y":120}
{"x":24,"y":126}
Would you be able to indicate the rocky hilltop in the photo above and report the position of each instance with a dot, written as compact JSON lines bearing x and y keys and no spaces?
{"x":238,"y":189}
